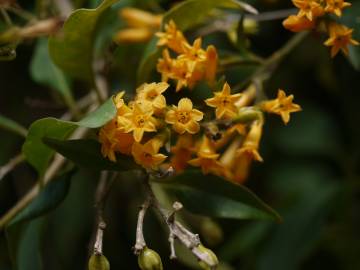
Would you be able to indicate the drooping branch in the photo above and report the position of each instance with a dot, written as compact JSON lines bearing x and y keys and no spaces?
{"x":176,"y":229}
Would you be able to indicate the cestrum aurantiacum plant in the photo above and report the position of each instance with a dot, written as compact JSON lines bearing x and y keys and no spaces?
{"x":220,"y":135}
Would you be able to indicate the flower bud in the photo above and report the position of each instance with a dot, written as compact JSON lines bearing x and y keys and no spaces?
{"x":98,"y":262}
{"x":210,"y":256}
{"x":211,"y":232}
{"x":149,"y":260}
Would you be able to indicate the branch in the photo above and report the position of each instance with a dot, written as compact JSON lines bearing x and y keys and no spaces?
{"x":4,"y":170}
{"x":176,"y":229}
{"x":140,"y":243}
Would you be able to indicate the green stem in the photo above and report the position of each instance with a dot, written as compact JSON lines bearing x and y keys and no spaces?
{"x":270,"y":64}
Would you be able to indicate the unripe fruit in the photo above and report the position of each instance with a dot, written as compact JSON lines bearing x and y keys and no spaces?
{"x":211,"y":255}
{"x":98,"y":262}
{"x":149,"y":260}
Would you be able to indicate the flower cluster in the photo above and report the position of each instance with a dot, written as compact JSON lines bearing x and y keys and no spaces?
{"x":313,"y":12}
{"x":192,"y":63}
{"x":155,"y":133}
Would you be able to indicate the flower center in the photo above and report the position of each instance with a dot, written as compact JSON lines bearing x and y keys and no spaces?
{"x":152,"y":95}
{"x":183,"y":117}
{"x":140,"y":120}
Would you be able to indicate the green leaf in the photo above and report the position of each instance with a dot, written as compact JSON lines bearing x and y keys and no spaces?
{"x":11,"y":125}
{"x":45,"y":72}
{"x":213,"y":196}
{"x":351,"y":19}
{"x":72,"y":50}
{"x":39,"y":155}
{"x":185,"y":15}
{"x":87,"y":154}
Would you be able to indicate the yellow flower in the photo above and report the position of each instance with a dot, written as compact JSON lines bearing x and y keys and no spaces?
{"x":283,"y":105}
{"x":138,"y":120}
{"x":184,"y":118}
{"x":336,"y":6}
{"x":120,"y":104}
{"x":147,"y":155}
{"x":165,"y":65}
{"x":207,"y":159}
{"x":181,"y":152}
{"x":112,"y":140}
{"x":251,"y":142}
{"x":172,"y":38}
{"x":193,"y":54}
{"x":224,"y":103}
{"x":298,"y":23}
{"x":142,"y":25}
{"x":340,"y":38}
{"x":152,"y":92}
{"x":311,"y":9}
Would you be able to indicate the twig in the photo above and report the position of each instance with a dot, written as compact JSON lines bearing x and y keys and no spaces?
{"x":272,"y":62}
{"x":176,"y":229}
{"x":101,"y":195}
{"x":8,"y":167}
{"x":140,"y":243}
{"x":65,"y":7}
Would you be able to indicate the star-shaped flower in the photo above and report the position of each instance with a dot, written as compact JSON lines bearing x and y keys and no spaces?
{"x":138,"y":120}
{"x":152,"y":92}
{"x":340,"y":38}
{"x":147,"y":155}
{"x":184,"y":118}
{"x":283,"y":105}
{"x":224,"y":103}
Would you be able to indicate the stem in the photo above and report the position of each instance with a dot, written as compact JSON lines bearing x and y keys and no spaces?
{"x":140,"y":240}
{"x":4,"y":170}
{"x":101,"y":195}
{"x":6,"y":17}
{"x":271,"y":63}
{"x":176,"y":229}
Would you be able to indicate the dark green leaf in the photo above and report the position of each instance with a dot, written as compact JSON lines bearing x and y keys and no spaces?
{"x":45,"y":72}
{"x":87,"y":154}
{"x":72,"y":50}
{"x":185,"y":15}
{"x":39,"y":155}
{"x":213,"y":196}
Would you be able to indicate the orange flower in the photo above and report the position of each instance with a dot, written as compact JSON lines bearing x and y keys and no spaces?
{"x":207,"y":159}
{"x":139,"y":18}
{"x":340,"y":38}
{"x":224,"y":103}
{"x":184,"y":118}
{"x":182,"y":152}
{"x":172,"y":38}
{"x":298,"y":23}
{"x":283,"y":105}
{"x":142,"y":25}
{"x":112,"y":140}
{"x":152,"y":92}
{"x":165,"y":66}
{"x":138,"y":120}
{"x":147,"y":155}
{"x":310,"y":9}
{"x":120,"y":104}
{"x":251,"y":142}
{"x":211,"y":64}
{"x":336,"y":6}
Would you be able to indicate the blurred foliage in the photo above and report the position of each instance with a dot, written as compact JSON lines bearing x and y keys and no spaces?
{"x":310,"y":175}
